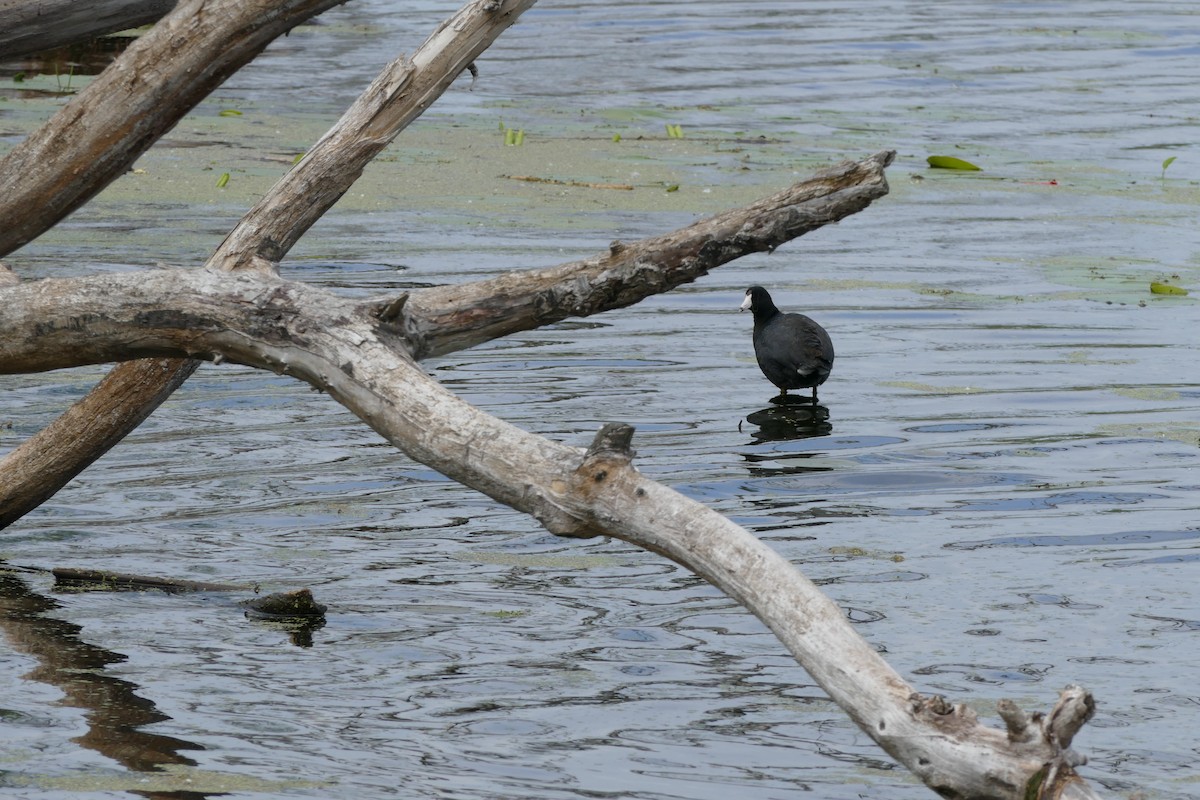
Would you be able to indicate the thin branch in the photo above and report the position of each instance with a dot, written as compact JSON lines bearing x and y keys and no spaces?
{"x":400,"y":94}
{"x":448,"y":318}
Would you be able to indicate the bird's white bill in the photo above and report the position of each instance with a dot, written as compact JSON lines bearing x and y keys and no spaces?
{"x":745,"y":303}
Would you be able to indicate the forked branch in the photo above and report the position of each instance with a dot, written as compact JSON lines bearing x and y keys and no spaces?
{"x":340,"y":346}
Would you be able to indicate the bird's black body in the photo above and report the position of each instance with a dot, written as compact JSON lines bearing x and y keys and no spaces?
{"x":793,"y":351}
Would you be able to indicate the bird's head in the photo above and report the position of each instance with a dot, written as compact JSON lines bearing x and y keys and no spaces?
{"x":757,"y":299}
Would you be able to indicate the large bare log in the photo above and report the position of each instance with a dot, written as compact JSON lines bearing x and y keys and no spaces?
{"x":29,"y":26}
{"x":47,"y":461}
{"x":340,"y":345}
{"x":444,"y":319}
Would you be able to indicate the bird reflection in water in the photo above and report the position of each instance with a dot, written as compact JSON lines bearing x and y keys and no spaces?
{"x":784,"y":421}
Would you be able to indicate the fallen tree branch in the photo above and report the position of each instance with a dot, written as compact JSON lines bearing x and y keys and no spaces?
{"x":340,"y":346}
{"x":47,"y":461}
{"x":448,"y":318}
{"x":444,"y":319}
{"x":91,"y":141}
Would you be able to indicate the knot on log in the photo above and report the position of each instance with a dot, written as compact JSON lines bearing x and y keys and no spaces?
{"x":603,"y":461}
{"x":389,"y":310}
{"x":930,"y":705}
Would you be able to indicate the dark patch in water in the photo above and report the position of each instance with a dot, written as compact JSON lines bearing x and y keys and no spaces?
{"x":1082,"y":540}
{"x":1056,"y":500}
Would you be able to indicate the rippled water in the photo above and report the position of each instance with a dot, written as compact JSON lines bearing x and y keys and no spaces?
{"x":1000,"y":490}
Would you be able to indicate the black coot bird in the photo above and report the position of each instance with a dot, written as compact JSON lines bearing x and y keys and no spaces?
{"x":792,"y":351}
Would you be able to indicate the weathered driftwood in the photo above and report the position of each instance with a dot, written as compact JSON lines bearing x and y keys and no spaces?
{"x":341,"y":346}
{"x":448,"y":318}
{"x":46,"y":462}
{"x":29,"y":26}
{"x":363,"y":354}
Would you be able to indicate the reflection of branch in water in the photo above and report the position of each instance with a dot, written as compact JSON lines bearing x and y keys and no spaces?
{"x":787,"y":421}
{"x":112,"y":709}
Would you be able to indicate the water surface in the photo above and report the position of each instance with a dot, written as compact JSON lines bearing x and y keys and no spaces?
{"x":1000,"y":490}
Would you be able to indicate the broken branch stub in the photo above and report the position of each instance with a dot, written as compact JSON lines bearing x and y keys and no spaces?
{"x":440,"y":320}
{"x":150,"y":86}
{"x":309,"y":332}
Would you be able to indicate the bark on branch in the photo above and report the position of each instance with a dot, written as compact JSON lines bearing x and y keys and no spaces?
{"x":449,"y":318}
{"x":363,"y":353}
{"x":155,"y":91}
{"x":444,"y":319}
{"x":340,"y":345}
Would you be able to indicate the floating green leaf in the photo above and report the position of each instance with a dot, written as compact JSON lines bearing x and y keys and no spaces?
{"x":230,"y":112}
{"x":950,"y":162}
{"x":1166,"y":163}
{"x":224,"y":179}
{"x":514,"y":138}
{"x":19,"y":77}
{"x":616,"y":137}
{"x":1157,"y":287}
{"x":674,"y":131}
{"x":674,"y":187}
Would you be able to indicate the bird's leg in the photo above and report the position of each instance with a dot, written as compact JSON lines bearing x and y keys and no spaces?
{"x":814,"y":400}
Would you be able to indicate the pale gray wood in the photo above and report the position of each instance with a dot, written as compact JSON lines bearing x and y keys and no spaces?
{"x":342,"y":347}
{"x":401,"y":92}
{"x":47,"y":461}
